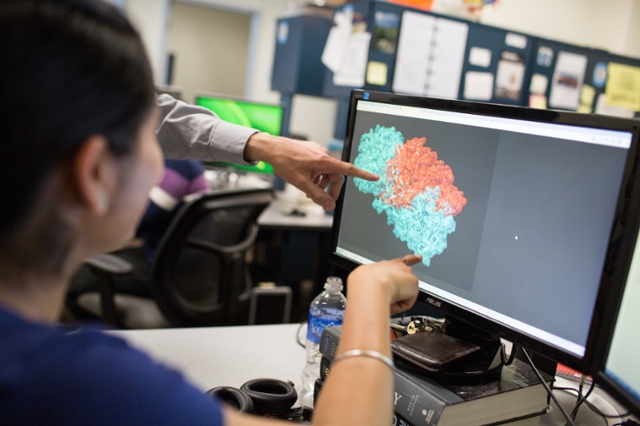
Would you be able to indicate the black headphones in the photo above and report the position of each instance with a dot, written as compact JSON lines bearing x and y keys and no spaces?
{"x":266,"y":397}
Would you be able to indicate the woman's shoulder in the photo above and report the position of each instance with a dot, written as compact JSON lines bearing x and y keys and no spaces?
{"x":93,"y":376}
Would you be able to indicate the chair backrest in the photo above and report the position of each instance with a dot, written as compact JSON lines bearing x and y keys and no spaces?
{"x":200,"y":276}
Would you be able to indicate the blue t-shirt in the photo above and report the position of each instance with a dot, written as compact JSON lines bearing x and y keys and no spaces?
{"x":51,"y":377}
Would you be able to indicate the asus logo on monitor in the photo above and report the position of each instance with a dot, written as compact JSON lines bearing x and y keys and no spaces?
{"x":433,"y":302}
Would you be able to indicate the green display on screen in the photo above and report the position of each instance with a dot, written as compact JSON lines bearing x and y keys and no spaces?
{"x":264,"y":117}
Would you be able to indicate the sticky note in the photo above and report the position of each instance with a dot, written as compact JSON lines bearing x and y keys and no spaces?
{"x":478,"y":86}
{"x":538,"y":101}
{"x":479,"y":57}
{"x":515,"y":40}
{"x":623,"y":86}
{"x":538,"y":84}
{"x":377,"y":73}
{"x":586,"y":96}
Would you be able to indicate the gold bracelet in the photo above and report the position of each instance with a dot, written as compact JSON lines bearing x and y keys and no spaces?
{"x":365,"y":352}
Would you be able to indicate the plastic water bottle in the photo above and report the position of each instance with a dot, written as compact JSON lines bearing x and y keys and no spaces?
{"x":326,"y":310}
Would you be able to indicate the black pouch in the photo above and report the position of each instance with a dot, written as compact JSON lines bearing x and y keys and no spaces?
{"x":431,"y":351}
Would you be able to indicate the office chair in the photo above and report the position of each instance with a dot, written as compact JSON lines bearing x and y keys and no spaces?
{"x":199,"y":276}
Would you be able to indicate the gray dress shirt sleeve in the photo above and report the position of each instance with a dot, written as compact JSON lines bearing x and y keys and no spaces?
{"x":188,"y":131}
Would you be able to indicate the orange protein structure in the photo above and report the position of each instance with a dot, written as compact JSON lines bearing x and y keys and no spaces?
{"x":415,"y":189}
{"x":416,"y":168}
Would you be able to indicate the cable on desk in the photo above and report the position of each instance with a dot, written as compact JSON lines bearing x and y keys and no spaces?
{"x":627,"y":422}
{"x":535,"y":370}
{"x":593,"y":407}
{"x":298,"y":334}
{"x":503,"y":354}
{"x":582,"y":398}
{"x":603,"y":415}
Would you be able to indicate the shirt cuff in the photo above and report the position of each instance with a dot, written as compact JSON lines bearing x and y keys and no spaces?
{"x":228,"y":140}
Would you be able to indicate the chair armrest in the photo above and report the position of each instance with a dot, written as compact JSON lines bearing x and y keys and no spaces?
{"x":209,"y":246}
{"x":109,"y":263}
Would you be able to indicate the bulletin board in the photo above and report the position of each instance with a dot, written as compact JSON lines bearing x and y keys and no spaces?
{"x":495,"y":66}
{"x":382,"y":21}
{"x":574,"y":78}
{"x":399,"y":49}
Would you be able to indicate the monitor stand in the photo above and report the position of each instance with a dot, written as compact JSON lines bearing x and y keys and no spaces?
{"x":478,"y":367}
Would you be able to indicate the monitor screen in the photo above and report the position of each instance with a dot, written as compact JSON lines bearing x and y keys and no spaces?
{"x":260,"y":116}
{"x":511,"y":208}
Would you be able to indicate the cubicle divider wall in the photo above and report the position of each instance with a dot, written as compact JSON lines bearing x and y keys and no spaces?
{"x":375,"y":45}
{"x":580,"y":79}
{"x":495,"y":66}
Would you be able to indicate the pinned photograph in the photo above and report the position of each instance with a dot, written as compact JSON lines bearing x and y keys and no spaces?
{"x":568,"y":77}
{"x":385,"y":32}
{"x":545,"y":56}
{"x":600,"y":74}
{"x":509,"y":76}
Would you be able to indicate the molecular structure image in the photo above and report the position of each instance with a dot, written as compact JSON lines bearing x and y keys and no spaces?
{"x":415,"y":189}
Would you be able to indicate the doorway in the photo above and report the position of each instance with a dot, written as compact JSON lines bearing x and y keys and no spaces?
{"x":210,"y":48}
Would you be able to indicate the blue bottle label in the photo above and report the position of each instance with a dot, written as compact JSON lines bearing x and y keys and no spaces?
{"x":317,"y":325}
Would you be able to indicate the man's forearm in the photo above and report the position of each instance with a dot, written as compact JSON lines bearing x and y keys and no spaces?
{"x":189,"y":131}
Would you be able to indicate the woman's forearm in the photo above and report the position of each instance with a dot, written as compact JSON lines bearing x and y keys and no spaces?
{"x":359,"y":389}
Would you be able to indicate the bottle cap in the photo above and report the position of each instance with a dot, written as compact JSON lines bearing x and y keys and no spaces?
{"x":334,"y":283}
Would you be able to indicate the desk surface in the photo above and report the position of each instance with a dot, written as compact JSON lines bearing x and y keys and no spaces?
{"x":225,"y":356}
{"x":230,"y":356}
{"x":278,"y":216}
{"x":235,"y":182}
{"x":599,"y":398}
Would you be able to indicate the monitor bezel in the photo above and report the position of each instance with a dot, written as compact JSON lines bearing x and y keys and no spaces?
{"x":608,"y":304}
{"x":211,"y":95}
{"x":491,"y":110}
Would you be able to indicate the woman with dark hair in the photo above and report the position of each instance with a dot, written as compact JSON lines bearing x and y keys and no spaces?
{"x":78,"y":157}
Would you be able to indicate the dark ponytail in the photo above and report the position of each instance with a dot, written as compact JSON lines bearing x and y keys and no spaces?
{"x":68,"y":70}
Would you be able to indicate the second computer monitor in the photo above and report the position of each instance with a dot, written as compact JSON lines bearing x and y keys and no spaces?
{"x":618,"y":372}
{"x":261,"y":116}
{"x":614,"y":341}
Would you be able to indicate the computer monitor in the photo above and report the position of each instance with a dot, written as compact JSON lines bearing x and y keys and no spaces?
{"x":614,"y":342}
{"x":511,"y":208}
{"x":265,"y":117}
{"x":173,"y":91}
